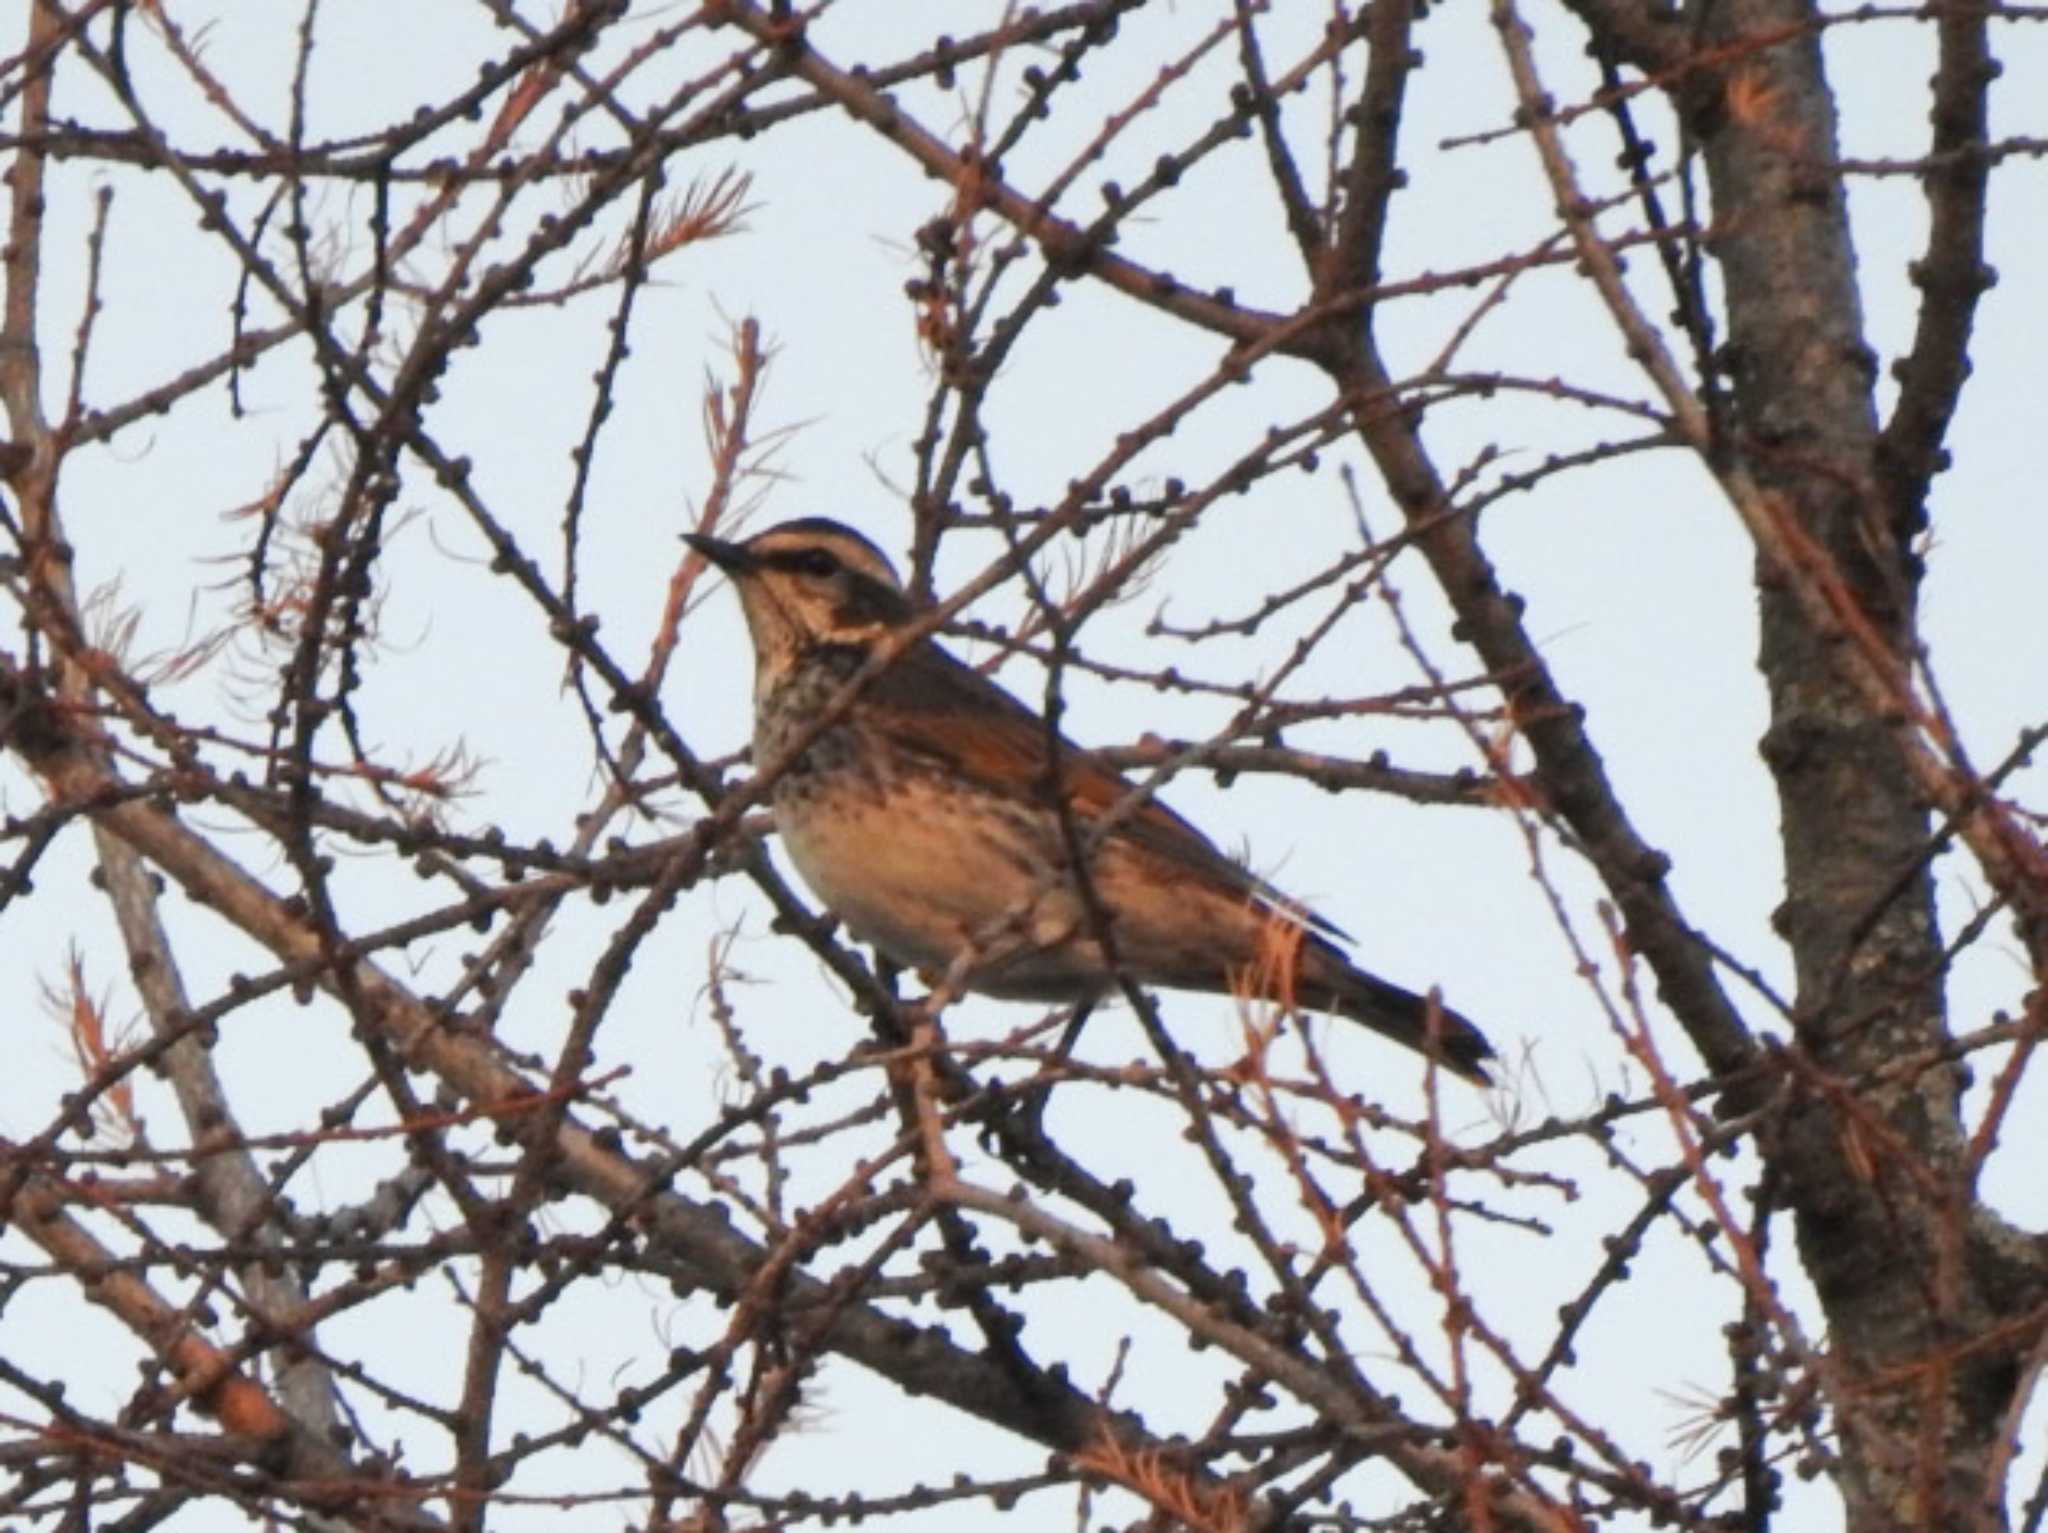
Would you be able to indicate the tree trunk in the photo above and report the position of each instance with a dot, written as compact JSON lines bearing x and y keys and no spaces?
{"x":1875,"y":1176}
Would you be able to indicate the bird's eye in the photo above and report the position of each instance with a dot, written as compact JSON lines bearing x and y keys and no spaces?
{"x":814,"y":561}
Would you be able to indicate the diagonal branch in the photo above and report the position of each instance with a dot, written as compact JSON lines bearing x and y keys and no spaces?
{"x":1066,"y":245}
{"x":2012,"y":858}
{"x":205,"y":1375}
{"x":699,"y":1238}
{"x":1951,"y":273}
{"x":1573,"y":774}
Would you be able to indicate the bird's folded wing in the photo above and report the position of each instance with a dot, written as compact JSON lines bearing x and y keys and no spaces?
{"x":947,"y":711}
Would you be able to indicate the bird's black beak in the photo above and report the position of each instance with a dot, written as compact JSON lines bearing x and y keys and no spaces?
{"x":733,"y":558}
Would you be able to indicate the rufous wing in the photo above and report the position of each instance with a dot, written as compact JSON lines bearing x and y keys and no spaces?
{"x":950,"y":712}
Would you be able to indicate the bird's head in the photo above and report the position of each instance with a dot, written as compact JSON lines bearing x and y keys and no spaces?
{"x":805,"y":584}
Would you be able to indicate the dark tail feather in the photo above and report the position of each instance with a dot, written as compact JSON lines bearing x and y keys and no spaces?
{"x":1401,"y":1015}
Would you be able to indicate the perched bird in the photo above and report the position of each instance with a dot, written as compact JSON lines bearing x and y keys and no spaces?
{"x":928,"y":818}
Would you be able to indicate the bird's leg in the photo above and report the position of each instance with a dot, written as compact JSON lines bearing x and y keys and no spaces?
{"x":1071,"y":1035}
{"x":1024,"y":1105}
{"x":887,"y":972}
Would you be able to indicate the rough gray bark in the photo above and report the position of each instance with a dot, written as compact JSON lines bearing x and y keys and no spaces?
{"x":1881,"y":1198}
